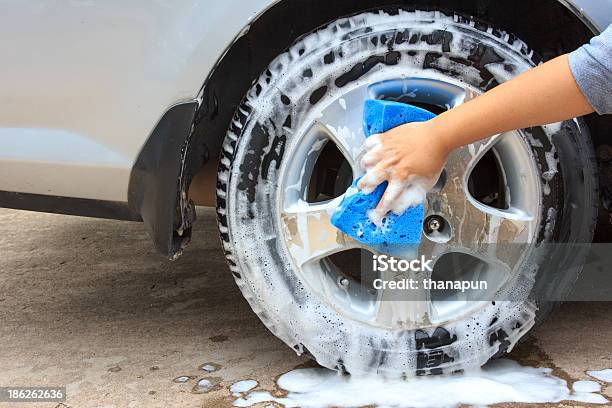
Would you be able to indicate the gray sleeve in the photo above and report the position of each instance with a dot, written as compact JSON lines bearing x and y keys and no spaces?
{"x":591,"y":66}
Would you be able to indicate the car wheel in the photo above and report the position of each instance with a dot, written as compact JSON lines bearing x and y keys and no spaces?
{"x":292,"y":150}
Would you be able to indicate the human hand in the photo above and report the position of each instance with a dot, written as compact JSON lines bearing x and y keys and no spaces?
{"x":410,"y":158}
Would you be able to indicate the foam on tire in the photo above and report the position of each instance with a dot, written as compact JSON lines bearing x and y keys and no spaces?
{"x":363,"y":48}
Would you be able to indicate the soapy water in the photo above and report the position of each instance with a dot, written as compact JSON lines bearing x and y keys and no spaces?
{"x":500,"y":381}
{"x":242,"y":386}
{"x":209,"y":368}
{"x":602,"y":375}
{"x":586,"y":386}
{"x":203,"y":386}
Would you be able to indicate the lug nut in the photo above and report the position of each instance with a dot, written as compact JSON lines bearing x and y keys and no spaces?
{"x":343,"y":282}
{"x":434,"y":224}
{"x":437,"y":229}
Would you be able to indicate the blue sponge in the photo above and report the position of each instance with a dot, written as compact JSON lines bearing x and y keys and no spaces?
{"x":351,"y":217}
{"x":380,"y":116}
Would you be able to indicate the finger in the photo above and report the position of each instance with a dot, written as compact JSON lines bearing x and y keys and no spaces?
{"x":378,"y":214}
{"x":372,"y":142}
{"x":371,"y":180}
{"x":389,"y":199}
{"x":375,"y":217}
{"x":371,"y":159}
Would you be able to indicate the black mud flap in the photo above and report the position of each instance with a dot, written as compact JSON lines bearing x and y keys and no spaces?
{"x":161,"y":176}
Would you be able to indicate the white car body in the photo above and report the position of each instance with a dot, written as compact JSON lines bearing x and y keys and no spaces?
{"x":85,"y":82}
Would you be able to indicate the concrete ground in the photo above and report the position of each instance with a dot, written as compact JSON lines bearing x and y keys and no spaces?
{"x":88,"y":304}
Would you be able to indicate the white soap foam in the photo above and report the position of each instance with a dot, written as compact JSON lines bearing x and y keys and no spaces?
{"x":498,"y":382}
{"x":398,"y":198}
{"x":552,"y":161}
{"x":353,"y":141}
{"x":242,"y":386}
{"x":209,"y":368}
{"x":586,"y":386}
{"x":552,"y":128}
{"x":204,"y":385}
{"x":602,"y":375}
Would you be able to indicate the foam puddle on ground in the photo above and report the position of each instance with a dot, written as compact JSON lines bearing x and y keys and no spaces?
{"x":498,"y":382}
{"x":242,"y":386}
{"x":602,"y":375}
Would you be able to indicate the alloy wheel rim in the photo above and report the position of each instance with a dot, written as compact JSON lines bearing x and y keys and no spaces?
{"x":499,"y":240}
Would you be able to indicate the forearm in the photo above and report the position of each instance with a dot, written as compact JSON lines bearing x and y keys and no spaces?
{"x":411,"y":157}
{"x":545,"y":94}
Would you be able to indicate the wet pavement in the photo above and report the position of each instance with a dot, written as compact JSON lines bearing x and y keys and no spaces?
{"x":88,"y":304}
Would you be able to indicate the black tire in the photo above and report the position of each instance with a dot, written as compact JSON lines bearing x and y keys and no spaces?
{"x":254,"y":150}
